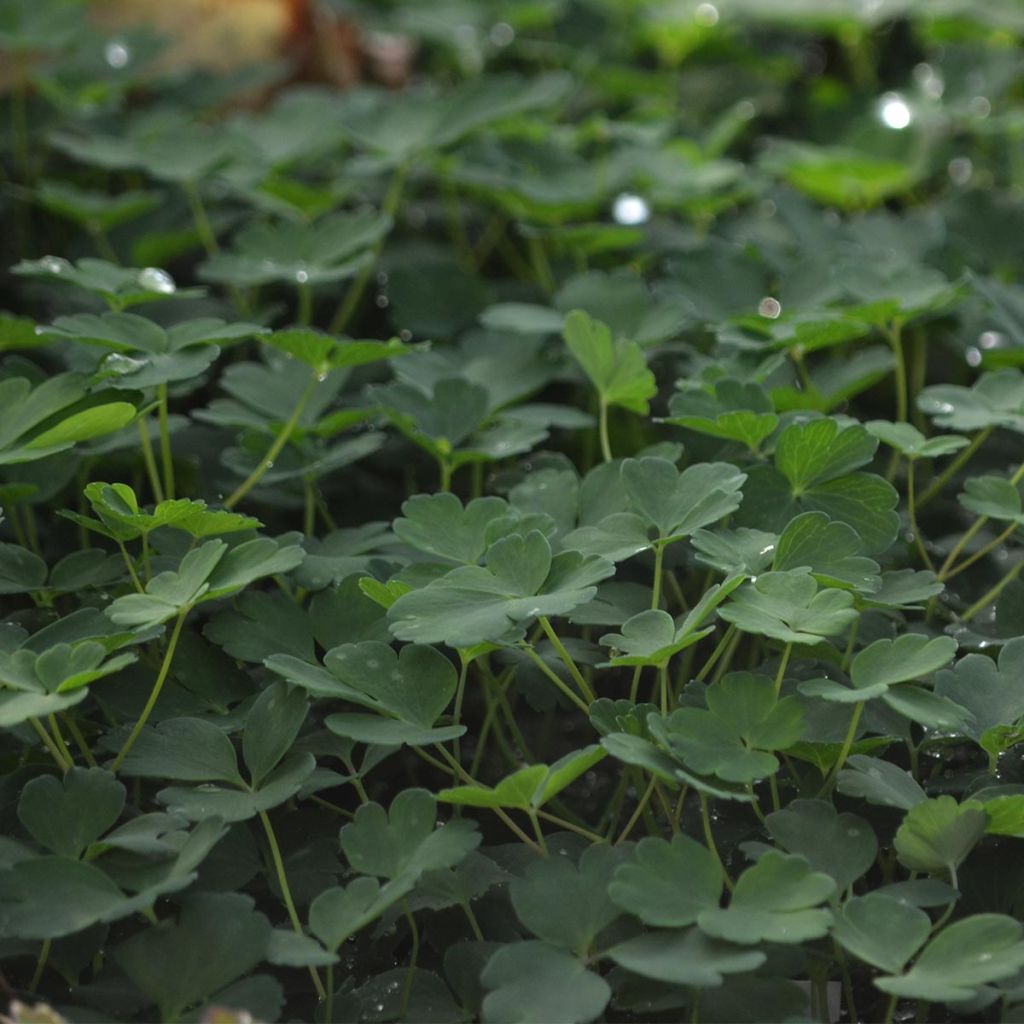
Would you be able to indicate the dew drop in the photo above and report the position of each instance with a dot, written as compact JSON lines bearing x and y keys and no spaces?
{"x":405,"y":335}
{"x":382,"y":302}
{"x":301,"y":276}
{"x":54,"y":264}
{"x":893,"y":111}
{"x":930,"y":81}
{"x":980,"y":106}
{"x":973,"y":356}
{"x":116,"y":54}
{"x":769,"y":307}
{"x":153,"y":279}
{"x":706,"y":14}
{"x":960,"y":170}
{"x":630,"y":209}
{"x":991,"y":339}
{"x":502,"y":34}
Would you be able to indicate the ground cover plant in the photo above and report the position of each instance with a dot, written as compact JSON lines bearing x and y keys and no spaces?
{"x":539,"y":544}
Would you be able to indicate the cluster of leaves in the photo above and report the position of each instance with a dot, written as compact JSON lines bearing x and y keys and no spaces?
{"x":558,"y":558}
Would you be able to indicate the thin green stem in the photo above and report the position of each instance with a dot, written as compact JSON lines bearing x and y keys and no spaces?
{"x":912,"y":513}
{"x":659,"y":559}
{"x":571,"y":826}
{"x":567,"y":659}
{"x":602,"y":430}
{"x":850,"y":644}
{"x":149,"y":459}
{"x":566,"y":690}
{"x":474,"y":924}
{"x":663,"y":686}
{"x":709,"y":838}
{"x":460,"y":691}
{"x":350,"y":303}
{"x":890,"y":1009}
{"x":136,"y":582}
{"x":936,"y":486}
{"x":414,"y":953}
{"x":58,"y":738}
{"x":166,"y":453}
{"x":154,"y":694}
{"x":844,"y":751}
{"x":52,"y":747}
{"x":286,"y":894}
{"x":638,"y":811}
{"x":329,"y":1000}
{"x":204,"y":229}
{"x":537,"y":830}
{"x":444,"y":484}
{"x":37,"y":974}
{"x":894,"y":336}
{"x":990,"y":595}
{"x":719,"y":650}
{"x":783,"y":664}
{"x":304,"y":310}
{"x":469,"y":780}
{"x":980,"y":553}
{"x":80,"y":740}
{"x":267,"y":462}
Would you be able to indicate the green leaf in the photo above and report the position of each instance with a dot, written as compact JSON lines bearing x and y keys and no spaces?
{"x":333,"y":248}
{"x":271,"y":726}
{"x":491,"y":603}
{"x":879,"y":782}
{"x":936,"y":835}
{"x":909,"y":441}
{"x":653,"y":637}
{"x":565,"y":904}
{"x":831,"y":550}
{"x":776,"y":900}
{"x":993,"y":693}
{"x":880,"y":930}
{"x":907,"y":657}
{"x":744,"y":721}
{"x":217,"y":938}
{"x":840,"y":845}
{"x":992,"y":496}
{"x":338,"y":913}
{"x":963,"y":957}
{"x":995,"y":400}
{"x":185,"y":749}
{"x":324,"y":353}
{"x":438,"y":525}
{"x":51,"y":417}
{"x":675,"y":504}
{"x":729,"y":409}
{"x":684,"y":958}
{"x":667,"y":884}
{"x":534,"y":983}
{"x":617,"y":369}
{"x":814,"y":471}
{"x":530,"y":787}
{"x":403,"y":841}
{"x":819,"y":451}
{"x":66,"y":816}
{"x":788,"y":606}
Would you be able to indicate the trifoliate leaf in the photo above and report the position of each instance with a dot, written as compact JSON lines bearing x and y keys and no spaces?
{"x":995,"y":400}
{"x":831,"y":550}
{"x":909,"y":441}
{"x":962,"y":958}
{"x":617,"y":369}
{"x":936,"y":835}
{"x":882,"y":931}
{"x":788,"y":606}
{"x":667,"y":884}
{"x":776,"y":900}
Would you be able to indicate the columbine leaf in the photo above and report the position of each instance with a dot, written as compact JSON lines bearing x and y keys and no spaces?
{"x":936,"y":835}
{"x":788,"y":606}
{"x":776,"y":900}
{"x":963,"y":957}
{"x":617,"y":369}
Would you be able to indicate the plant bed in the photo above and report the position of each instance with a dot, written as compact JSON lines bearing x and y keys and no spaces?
{"x":538,"y":544}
